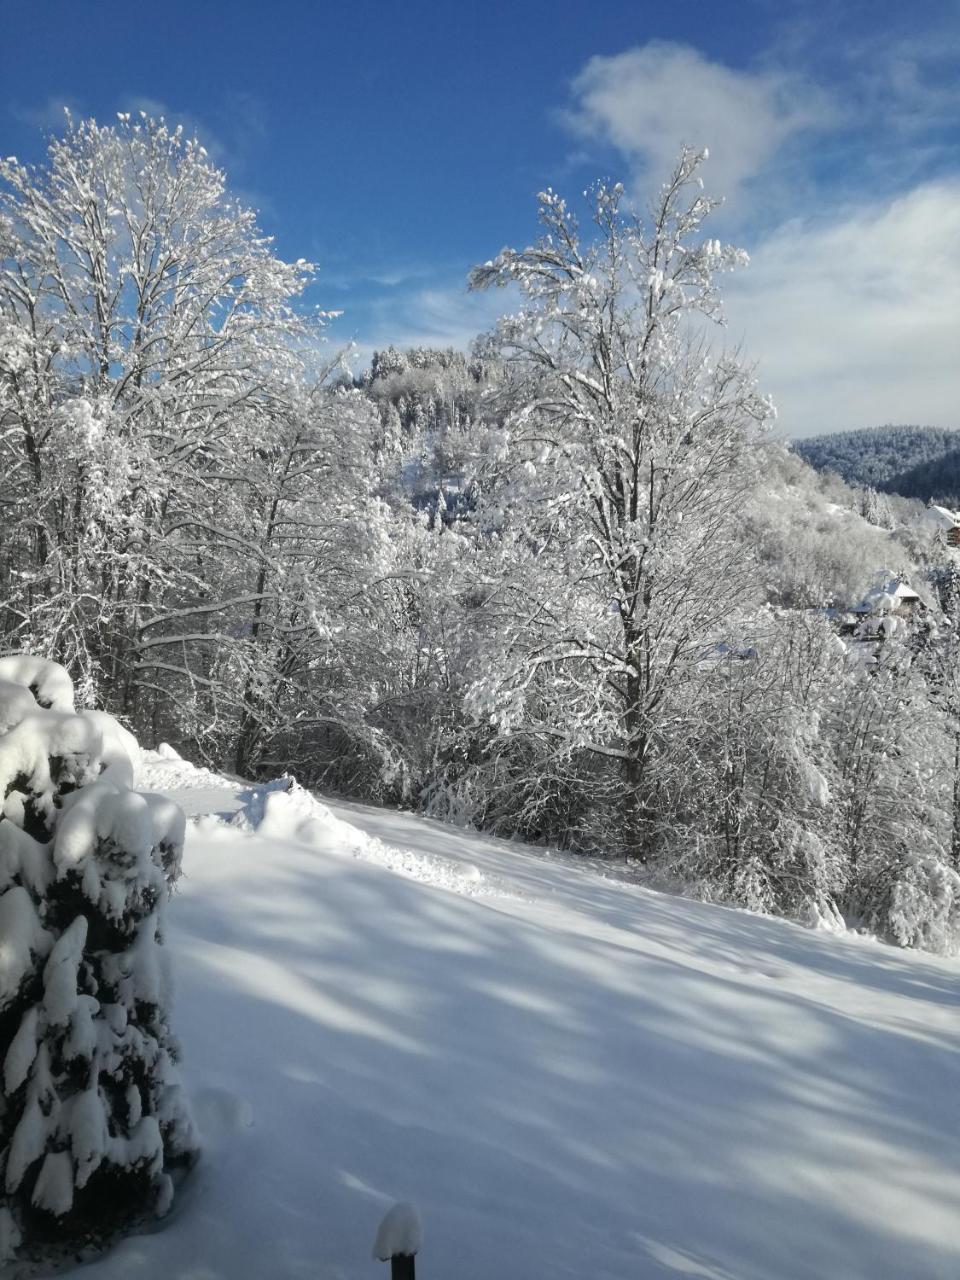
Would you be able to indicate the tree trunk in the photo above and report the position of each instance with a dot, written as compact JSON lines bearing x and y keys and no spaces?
{"x":955,"y":832}
{"x":637,"y":812}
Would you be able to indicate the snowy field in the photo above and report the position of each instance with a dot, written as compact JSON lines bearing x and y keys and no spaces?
{"x":569,"y":1076}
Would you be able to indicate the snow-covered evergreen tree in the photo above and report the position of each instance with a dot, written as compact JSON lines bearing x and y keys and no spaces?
{"x":92,"y":1119}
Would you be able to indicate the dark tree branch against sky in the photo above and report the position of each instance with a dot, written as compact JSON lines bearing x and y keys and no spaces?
{"x":397,"y":145}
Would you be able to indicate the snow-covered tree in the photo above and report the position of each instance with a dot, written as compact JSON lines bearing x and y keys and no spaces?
{"x":875,"y":508}
{"x":755,"y":817}
{"x":304,"y":655}
{"x":632,"y":434}
{"x":92,"y":1120}
{"x":146,"y":327}
{"x":895,"y":749}
{"x":560,"y":587}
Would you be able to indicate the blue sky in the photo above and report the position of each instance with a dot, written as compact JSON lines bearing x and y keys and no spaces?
{"x":395,"y":145}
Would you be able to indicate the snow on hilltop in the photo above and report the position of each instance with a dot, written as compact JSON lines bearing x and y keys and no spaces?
{"x":571,"y":1076}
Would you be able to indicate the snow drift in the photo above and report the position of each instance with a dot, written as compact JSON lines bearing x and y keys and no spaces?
{"x":573,"y":1076}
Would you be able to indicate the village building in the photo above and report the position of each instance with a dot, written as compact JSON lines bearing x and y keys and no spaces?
{"x":888,"y":597}
{"x":890,"y":604}
{"x":945,"y":524}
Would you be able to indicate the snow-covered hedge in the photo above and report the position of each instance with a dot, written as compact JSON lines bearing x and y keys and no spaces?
{"x":92,"y":1119}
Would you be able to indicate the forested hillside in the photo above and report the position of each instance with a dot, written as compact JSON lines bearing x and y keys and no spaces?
{"x":915,"y":462}
{"x":562,"y":587}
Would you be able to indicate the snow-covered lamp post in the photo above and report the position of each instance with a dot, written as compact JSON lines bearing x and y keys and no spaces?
{"x":398,"y":1241}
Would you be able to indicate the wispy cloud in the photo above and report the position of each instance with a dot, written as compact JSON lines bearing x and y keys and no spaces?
{"x":650,"y":101}
{"x":219,"y":149}
{"x":851,"y":304}
{"x":242,"y":125}
{"x":904,"y":79}
{"x":443,"y":314}
{"x":241,"y":120}
{"x":48,"y":115}
{"x":360,"y":277}
{"x":855,"y":321}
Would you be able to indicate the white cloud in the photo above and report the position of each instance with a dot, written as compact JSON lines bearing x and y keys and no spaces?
{"x":49,"y":116}
{"x":356,"y":275}
{"x":856,"y":322}
{"x":218,"y":151}
{"x":650,"y":101}
{"x":243,"y":121}
{"x":442,"y":316}
{"x":852,"y":318}
{"x":438,"y":316}
{"x":852,"y":310}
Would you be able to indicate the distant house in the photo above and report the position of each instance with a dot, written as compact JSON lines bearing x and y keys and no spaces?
{"x":945,"y":524}
{"x":888,"y":607}
{"x":889,"y":596}
{"x":885,"y":609}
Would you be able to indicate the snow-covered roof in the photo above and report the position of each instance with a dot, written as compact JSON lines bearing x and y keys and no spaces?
{"x":885,"y":596}
{"x":940,"y":518}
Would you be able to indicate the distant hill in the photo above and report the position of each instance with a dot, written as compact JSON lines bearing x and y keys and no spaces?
{"x":916,"y":462}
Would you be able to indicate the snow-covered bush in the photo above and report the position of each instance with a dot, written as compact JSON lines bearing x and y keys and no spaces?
{"x":924,"y":904}
{"x":92,"y":1120}
{"x":753,"y":810}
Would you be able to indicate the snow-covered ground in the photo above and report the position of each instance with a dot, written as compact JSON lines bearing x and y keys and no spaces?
{"x":567,"y":1075}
